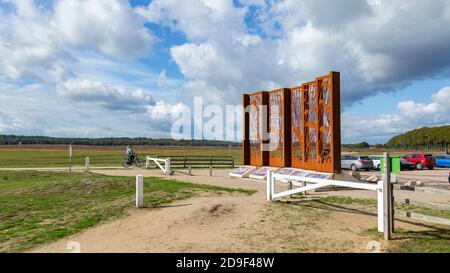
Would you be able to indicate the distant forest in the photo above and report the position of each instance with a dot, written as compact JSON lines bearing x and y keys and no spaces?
{"x":423,"y":138}
{"x":434,"y":137}
{"x":14,"y":140}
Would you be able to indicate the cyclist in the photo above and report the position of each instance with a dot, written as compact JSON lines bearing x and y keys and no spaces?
{"x":130,"y":154}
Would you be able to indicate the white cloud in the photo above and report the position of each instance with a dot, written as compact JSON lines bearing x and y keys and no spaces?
{"x":110,"y":26}
{"x":410,"y":115}
{"x":37,"y":43}
{"x":378,"y":46}
{"x":98,"y":93}
{"x":162,"y":111}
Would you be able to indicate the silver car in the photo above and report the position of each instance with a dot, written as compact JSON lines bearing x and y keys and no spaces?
{"x":356,"y":162}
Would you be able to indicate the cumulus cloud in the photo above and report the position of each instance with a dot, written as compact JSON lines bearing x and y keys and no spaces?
{"x":37,"y":42}
{"x":110,"y":26}
{"x":163,"y":111}
{"x":379,"y":46}
{"x":10,"y":123}
{"x":410,"y":115}
{"x":110,"y":97}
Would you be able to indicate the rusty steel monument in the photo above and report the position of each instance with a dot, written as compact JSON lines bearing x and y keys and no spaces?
{"x":294,"y":127}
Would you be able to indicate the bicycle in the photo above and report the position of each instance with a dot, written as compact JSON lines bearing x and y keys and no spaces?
{"x":126,"y":162}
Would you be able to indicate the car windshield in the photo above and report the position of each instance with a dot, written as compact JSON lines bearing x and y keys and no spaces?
{"x":428,"y":156}
{"x":364,"y":158}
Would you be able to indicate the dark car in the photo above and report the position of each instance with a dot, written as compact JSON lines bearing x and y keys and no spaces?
{"x":421,"y":160}
{"x":406,"y":165}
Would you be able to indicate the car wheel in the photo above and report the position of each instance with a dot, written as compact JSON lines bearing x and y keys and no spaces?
{"x":354,"y":168}
{"x":419,"y":166}
{"x":378,"y":166}
{"x":430,"y":168}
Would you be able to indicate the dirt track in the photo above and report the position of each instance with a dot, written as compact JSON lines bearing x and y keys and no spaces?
{"x":232,"y":223}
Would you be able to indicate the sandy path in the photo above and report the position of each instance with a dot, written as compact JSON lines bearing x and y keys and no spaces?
{"x":232,"y":223}
{"x":196,"y":225}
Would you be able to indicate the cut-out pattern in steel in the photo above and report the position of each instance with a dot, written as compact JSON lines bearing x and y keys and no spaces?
{"x":306,"y":127}
{"x":255,"y":129}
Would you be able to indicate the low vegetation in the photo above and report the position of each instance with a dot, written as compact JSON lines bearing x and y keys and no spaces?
{"x":41,"y":207}
{"x":57,"y":155}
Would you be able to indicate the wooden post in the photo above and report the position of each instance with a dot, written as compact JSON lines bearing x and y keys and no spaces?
{"x":190,"y":170}
{"x":380,"y":206}
{"x":167,"y":167}
{"x":387,"y":199}
{"x":147,"y":162}
{"x":184,"y":161}
{"x":290,"y":187}
{"x":210,"y":171}
{"x":391,"y":189}
{"x":269,"y":185}
{"x":70,"y":158}
{"x":139,"y":191}
{"x":87,"y":164}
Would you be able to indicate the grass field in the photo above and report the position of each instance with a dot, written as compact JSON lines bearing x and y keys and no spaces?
{"x":57,"y":155}
{"x":15,"y":156}
{"x":41,"y":207}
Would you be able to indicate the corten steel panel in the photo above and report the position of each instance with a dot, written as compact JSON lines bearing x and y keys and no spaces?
{"x":254,"y":154}
{"x":297,"y":139}
{"x":310,"y":133}
{"x":279,"y":126}
{"x":315,"y":115}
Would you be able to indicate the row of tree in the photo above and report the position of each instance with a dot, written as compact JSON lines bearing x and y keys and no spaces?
{"x":423,"y":137}
{"x":437,"y":137}
{"x":15,"y":140}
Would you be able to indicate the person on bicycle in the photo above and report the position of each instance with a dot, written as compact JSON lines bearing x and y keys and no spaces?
{"x":130,"y":154}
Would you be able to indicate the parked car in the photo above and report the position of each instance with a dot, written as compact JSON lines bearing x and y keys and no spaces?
{"x":421,"y":160}
{"x":356,"y":162}
{"x":376,"y":159}
{"x":406,"y":165}
{"x":442,"y":161}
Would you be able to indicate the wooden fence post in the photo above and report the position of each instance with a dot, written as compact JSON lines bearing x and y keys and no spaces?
{"x":87,"y":164}
{"x":387,"y":199}
{"x":139,"y":191}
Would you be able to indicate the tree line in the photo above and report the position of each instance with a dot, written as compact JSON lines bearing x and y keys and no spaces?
{"x":433,"y":137}
{"x":113,"y":141}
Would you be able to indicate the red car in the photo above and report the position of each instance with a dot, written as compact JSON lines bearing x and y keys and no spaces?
{"x":421,"y":160}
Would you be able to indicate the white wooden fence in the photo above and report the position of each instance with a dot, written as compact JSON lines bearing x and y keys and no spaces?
{"x":315,"y":183}
{"x":158,"y":161}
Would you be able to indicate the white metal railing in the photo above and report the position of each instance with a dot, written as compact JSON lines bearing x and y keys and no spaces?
{"x":166,"y":161}
{"x":316,"y":183}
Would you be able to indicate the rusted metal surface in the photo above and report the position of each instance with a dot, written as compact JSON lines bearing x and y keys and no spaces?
{"x":279,"y":127}
{"x":304,"y":131}
{"x":316,"y":124}
{"x":255,"y":109}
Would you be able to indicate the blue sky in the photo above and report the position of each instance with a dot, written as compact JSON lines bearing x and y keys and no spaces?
{"x":129,"y":68}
